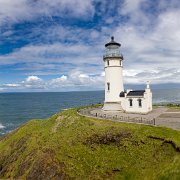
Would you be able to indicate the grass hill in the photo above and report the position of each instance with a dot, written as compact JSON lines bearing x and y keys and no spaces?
{"x":70,"y":146}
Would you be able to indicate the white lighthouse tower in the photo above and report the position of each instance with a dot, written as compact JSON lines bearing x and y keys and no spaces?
{"x":113,"y":76}
{"x":116,"y":98}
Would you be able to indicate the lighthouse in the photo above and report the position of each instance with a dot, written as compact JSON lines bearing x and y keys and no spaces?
{"x":113,"y":66}
{"x":116,"y":98}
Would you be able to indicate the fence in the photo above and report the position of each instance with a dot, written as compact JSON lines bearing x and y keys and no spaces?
{"x":117,"y":117}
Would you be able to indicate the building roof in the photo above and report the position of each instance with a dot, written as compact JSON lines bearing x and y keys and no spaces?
{"x":112,"y":42}
{"x":136,"y":93}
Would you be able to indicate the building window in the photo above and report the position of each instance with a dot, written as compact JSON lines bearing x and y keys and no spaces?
{"x":108,"y":62}
{"x":140,"y":102}
{"x":130,"y":102}
{"x":120,"y":63}
{"x":108,"y":86}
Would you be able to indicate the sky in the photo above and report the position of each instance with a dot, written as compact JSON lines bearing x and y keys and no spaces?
{"x":58,"y":45}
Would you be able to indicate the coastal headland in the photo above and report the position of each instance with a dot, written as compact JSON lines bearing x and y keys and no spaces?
{"x":70,"y":146}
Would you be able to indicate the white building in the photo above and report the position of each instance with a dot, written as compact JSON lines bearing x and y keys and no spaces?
{"x":116,"y":98}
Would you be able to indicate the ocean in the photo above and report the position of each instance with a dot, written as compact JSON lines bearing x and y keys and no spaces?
{"x":18,"y":108}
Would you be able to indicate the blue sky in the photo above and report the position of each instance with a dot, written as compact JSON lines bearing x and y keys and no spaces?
{"x":58,"y":45}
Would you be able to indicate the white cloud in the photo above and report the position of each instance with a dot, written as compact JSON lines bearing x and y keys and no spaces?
{"x":130,"y":6}
{"x":133,"y":9}
{"x":13,"y":11}
{"x":150,"y":43}
{"x":75,"y":79}
{"x":33,"y":82}
{"x":49,"y":53}
{"x":152,"y":50}
{"x":74,"y":8}
{"x":78,"y":80}
{"x":57,"y":82}
{"x":57,"y":58}
{"x":33,"y":79}
{"x":10,"y":85}
{"x":167,"y":35}
{"x":25,"y":10}
{"x":63,"y":78}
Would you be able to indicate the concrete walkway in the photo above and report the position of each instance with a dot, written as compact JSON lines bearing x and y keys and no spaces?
{"x":160,"y":116}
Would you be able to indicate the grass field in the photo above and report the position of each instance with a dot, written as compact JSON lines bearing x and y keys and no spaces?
{"x":71,"y":146}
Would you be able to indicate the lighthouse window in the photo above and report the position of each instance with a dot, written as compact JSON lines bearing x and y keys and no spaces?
{"x":108,"y":86}
{"x":130,"y":102}
{"x":140,"y":102}
{"x":108,"y":62}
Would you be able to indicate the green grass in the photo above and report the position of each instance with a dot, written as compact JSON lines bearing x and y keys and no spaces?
{"x":71,"y":146}
{"x":176,"y":106}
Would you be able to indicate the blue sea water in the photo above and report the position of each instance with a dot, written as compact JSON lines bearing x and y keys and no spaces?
{"x":18,"y":108}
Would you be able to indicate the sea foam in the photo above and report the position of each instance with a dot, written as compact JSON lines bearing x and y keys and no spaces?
{"x":1,"y":126}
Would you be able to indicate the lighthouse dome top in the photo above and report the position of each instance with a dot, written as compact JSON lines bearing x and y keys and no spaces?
{"x":112,"y":43}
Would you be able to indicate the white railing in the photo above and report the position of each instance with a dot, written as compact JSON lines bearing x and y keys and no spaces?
{"x":113,"y":55}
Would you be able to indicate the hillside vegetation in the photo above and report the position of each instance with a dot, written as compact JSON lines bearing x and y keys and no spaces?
{"x":70,"y":146}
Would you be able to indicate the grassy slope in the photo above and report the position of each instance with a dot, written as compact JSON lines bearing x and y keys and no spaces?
{"x":68,"y":145}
